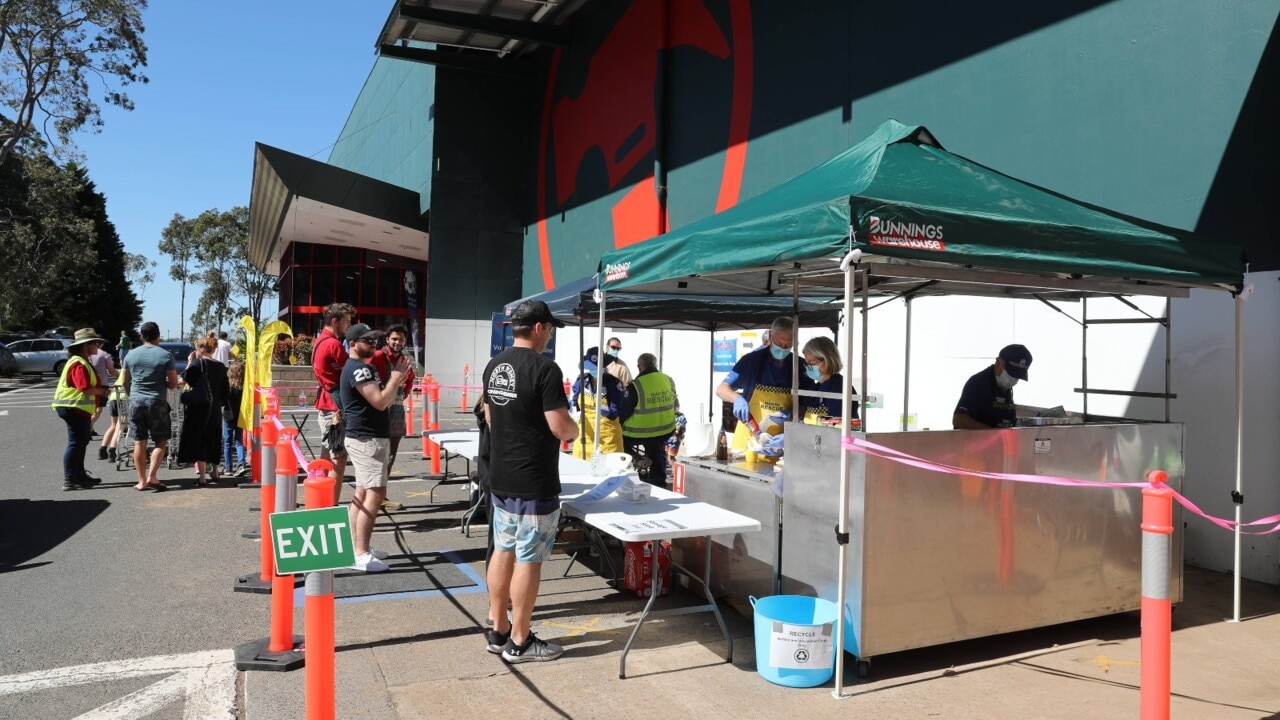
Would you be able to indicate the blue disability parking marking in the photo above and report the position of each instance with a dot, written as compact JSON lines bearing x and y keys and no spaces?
{"x":299,"y":594}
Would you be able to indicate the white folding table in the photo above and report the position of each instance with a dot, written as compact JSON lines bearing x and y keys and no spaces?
{"x":667,"y":515}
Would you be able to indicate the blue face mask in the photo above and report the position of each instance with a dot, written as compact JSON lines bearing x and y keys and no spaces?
{"x":779,"y":353}
{"x":813,"y":372}
{"x":613,"y":352}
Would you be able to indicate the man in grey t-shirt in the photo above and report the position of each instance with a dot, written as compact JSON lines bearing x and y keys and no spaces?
{"x":149,"y":373}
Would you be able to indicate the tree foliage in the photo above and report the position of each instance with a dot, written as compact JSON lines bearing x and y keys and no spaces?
{"x":63,"y":261}
{"x":139,"y":270}
{"x":218,"y":244}
{"x":178,"y":241}
{"x":52,"y":55}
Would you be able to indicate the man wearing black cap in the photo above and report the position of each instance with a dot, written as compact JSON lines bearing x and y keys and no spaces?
{"x":364,"y":401}
{"x":528,"y":416}
{"x":987,"y":398}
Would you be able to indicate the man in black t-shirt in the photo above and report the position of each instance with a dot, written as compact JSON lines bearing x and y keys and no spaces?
{"x":528,"y":416}
{"x":987,"y":398}
{"x":364,"y":401}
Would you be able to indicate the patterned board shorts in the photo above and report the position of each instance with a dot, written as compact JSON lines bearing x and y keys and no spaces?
{"x":149,"y":420}
{"x":530,"y":537}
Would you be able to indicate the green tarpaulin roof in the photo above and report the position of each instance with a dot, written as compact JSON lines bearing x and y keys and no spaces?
{"x":920,"y":211}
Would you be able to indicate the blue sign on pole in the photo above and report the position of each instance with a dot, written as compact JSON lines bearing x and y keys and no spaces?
{"x":724,"y":355}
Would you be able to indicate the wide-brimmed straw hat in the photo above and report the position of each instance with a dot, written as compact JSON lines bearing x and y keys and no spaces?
{"x":86,"y":335}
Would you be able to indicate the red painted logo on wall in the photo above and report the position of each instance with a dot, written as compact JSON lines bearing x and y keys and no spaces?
{"x":614,"y":113}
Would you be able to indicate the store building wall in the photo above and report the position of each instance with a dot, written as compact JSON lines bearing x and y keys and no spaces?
{"x":389,"y":133}
{"x":1163,"y":110}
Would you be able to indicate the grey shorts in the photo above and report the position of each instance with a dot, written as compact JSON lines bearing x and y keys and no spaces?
{"x":369,"y":459}
{"x":326,"y":419}
{"x":149,"y":420}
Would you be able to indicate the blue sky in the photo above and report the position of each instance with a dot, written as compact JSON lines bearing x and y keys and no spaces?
{"x":223,"y":76}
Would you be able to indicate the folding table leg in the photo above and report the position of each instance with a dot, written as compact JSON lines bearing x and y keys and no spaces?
{"x":655,"y":589}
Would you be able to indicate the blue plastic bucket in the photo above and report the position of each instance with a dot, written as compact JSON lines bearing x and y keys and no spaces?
{"x":795,"y":639}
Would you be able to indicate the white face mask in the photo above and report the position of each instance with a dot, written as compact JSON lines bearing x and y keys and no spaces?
{"x":1005,"y":380}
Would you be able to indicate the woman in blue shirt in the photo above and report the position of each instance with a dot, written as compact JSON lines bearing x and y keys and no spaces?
{"x":822,"y":368}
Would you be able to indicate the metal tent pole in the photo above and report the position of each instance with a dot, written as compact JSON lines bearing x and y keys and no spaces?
{"x":582,"y":417}
{"x":906,"y":371}
{"x":595,"y":452}
{"x":1238,"y":496}
{"x":842,"y":529}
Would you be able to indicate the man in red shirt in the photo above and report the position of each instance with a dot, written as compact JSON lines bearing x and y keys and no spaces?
{"x":327,"y":359}
{"x":383,"y":361}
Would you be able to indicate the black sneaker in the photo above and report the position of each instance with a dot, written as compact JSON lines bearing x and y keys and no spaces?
{"x":87,"y":480}
{"x":111,"y":454}
{"x":102,"y":453}
{"x":497,"y":641}
{"x":534,"y":649}
{"x":69,"y":484}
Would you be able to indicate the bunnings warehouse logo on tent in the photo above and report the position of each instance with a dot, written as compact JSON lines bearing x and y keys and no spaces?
{"x":913,"y":236}
{"x":617,"y":271}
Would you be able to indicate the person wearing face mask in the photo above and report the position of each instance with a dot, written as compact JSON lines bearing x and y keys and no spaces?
{"x":987,"y":398}
{"x":616,"y":366}
{"x":384,"y":359}
{"x":822,"y":366}
{"x":760,"y":383}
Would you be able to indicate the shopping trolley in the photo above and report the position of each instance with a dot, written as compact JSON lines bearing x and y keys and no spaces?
{"x":124,"y":438}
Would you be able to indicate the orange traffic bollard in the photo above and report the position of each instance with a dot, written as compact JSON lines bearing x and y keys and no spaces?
{"x":1157,"y":626}
{"x":286,"y":488}
{"x":267,"y":493}
{"x":321,"y":696}
{"x":466,"y":380}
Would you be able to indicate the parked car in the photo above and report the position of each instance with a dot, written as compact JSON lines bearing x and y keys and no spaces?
{"x":40,"y":355}
{"x":180,"y":352}
{"x":8,"y":364}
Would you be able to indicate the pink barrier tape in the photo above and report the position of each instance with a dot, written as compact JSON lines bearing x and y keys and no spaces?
{"x":887,"y":453}
{"x":297,"y":451}
{"x":455,"y":387}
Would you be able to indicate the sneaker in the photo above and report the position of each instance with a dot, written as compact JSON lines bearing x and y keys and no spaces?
{"x":379,"y":554}
{"x":534,"y":649}
{"x":111,"y":454}
{"x":497,"y":641}
{"x":68,"y":484}
{"x":102,"y":453}
{"x":366,"y":562}
{"x":83,"y":481}
{"x":242,"y":471}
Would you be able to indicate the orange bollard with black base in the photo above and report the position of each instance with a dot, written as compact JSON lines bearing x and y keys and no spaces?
{"x":280,"y":651}
{"x":466,"y":380}
{"x":260,"y":582}
{"x":1157,"y":609}
{"x":318,"y":623}
{"x":286,"y":470}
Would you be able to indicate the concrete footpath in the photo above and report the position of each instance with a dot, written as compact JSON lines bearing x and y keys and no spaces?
{"x":423,"y":656}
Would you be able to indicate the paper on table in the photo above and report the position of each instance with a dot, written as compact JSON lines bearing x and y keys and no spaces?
{"x":649,"y":525}
{"x":604,"y":489}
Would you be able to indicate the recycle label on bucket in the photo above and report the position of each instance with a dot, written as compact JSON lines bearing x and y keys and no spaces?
{"x":800,"y":647}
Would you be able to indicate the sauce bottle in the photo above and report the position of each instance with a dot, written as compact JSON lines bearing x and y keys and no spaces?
{"x":722,"y":447}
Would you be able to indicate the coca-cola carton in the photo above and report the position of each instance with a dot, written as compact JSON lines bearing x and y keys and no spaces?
{"x":637,"y":567}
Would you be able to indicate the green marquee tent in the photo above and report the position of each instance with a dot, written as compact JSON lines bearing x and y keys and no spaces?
{"x":905,"y":201}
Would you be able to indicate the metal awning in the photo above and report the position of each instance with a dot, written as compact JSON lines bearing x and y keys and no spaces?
{"x":297,"y":199}
{"x":474,"y":34}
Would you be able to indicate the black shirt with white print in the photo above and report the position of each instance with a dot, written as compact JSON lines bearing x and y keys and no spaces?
{"x":362,"y":421}
{"x":524,"y":457}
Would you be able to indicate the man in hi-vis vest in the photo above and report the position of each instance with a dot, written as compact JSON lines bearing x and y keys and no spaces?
{"x":654,"y":418}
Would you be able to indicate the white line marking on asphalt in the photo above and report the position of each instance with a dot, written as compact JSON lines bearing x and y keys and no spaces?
{"x":4,"y":412}
{"x":207,"y":680}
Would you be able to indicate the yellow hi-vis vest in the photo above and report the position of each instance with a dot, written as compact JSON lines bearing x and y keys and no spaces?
{"x":67,"y":395}
{"x":655,"y":414}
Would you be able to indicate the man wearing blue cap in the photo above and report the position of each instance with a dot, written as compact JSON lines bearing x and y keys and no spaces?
{"x":987,"y":399}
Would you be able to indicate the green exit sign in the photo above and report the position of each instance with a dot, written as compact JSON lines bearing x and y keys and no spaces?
{"x":311,"y":540}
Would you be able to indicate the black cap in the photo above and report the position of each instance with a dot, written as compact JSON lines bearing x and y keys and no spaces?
{"x":360,"y":331}
{"x":1017,"y":358}
{"x":532,"y":312}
